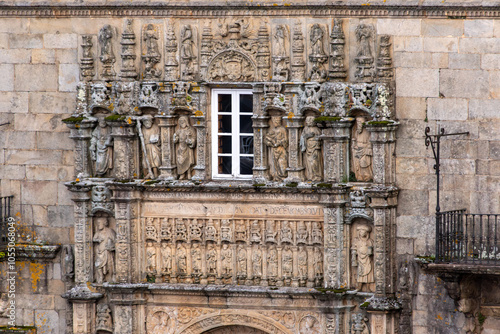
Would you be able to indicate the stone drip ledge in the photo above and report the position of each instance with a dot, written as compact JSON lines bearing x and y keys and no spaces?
{"x":381,"y":304}
{"x":459,"y":269}
{"x":225,"y":290}
{"x":31,"y":252}
{"x":354,"y":8}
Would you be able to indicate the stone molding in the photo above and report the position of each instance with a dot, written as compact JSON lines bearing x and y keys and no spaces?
{"x":224,"y":10}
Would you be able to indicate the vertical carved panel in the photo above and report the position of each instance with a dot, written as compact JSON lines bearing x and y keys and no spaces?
{"x":298,"y":63}
{"x":123,"y":254}
{"x":128,"y":56}
{"x":171,"y":63}
{"x":337,"y":53}
{"x":87,"y":70}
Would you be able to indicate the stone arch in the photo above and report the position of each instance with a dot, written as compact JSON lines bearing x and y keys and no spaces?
{"x":223,"y":319}
{"x":234,"y":329}
{"x":231,"y":66}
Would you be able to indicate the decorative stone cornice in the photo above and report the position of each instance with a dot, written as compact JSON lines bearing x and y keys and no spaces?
{"x":223,"y":9}
{"x":32,"y":252}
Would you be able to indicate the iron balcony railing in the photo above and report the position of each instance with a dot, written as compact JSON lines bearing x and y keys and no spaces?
{"x":5,"y":213}
{"x":466,"y":238}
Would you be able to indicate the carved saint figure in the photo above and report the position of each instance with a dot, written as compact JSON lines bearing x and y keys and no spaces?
{"x":317,"y":40}
{"x":151,"y":39}
{"x":276,"y":140}
{"x":151,"y":133}
{"x":181,"y":259}
{"x":255,"y":232}
{"x":107,"y":56}
{"x":302,"y":262}
{"x":185,"y":139}
{"x":242,"y":260}
{"x":272,"y":262}
{"x":362,"y":255}
{"x":301,"y":233}
{"x":226,"y":232}
{"x":211,"y":259}
{"x":101,"y":148}
{"x":163,"y":325}
{"x":317,"y":236}
{"x":210,"y":231}
{"x":105,"y":239}
{"x":287,"y":262}
{"x":362,"y":152}
{"x":310,"y":144}
{"x":286,"y":233}
{"x":363,"y":35}
{"x":257,"y":262}
{"x":196,"y":230}
{"x":270,"y":233}
{"x":166,"y":257}
{"x":196,"y":259}
{"x":104,"y":321}
{"x":318,"y":263}
{"x":150,"y":257}
{"x":226,"y":255}
{"x":279,"y":38}
{"x":187,"y":42}
{"x":180,"y":230}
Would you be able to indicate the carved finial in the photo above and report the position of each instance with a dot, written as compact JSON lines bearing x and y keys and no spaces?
{"x":127,"y":42}
{"x":384,"y":60}
{"x":87,"y":71}
{"x":171,"y":64}
{"x":337,"y":56}
{"x":107,"y":55}
{"x":298,"y":63}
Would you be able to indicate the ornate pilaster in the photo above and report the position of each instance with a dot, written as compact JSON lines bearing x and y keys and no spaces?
{"x":81,"y":133}
{"x":167,"y":127}
{"x":337,"y":53}
{"x":205,"y":48}
{"x":87,"y":70}
{"x":263,"y":53}
{"x":260,"y":166}
{"x":385,"y":70}
{"x":336,"y":135}
{"x":200,"y":124}
{"x":335,"y":269}
{"x":171,"y":64}
{"x":298,"y":63}
{"x":126,"y":157}
{"x":383,"y":139}
{"x":83,"y":234}
{"x":295,"y":166}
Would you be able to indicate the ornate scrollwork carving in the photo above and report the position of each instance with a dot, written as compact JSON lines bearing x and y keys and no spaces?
{"x":104,"y":320}
{"x":231,"y":66}
{"x":101,"y":200}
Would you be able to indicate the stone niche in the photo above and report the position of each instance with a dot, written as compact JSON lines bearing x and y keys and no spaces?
{"x":303,"y":245}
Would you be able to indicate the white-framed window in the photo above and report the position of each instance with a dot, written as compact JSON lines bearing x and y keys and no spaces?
{"x":232,"y":133}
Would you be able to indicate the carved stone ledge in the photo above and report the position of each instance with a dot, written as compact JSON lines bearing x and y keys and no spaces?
{"x":383,"y":304}
{"x":32,"y":252}
{"x":81,"y":293}
{"x":459,"y":269}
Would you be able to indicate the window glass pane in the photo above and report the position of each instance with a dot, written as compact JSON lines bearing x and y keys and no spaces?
{"x":246,"y":103}
{"x":224,"y":102}
{"x":246,"y":144}
{"x":246,"y":165}
{"x":224,"y":144}
{"x":224,"y":123}
{"x":246,"y":124}
{"x":225,"y":165}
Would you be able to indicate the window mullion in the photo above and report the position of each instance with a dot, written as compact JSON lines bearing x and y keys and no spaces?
{"x":235,"y":110}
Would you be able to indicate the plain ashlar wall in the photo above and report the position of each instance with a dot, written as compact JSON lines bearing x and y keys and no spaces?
{"x":447,"y":74}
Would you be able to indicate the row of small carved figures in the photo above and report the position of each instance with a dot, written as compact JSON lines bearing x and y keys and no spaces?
{"x":234,"y":261}
{"x":234,"y":230}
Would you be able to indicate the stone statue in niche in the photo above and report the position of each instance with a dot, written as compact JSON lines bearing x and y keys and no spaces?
{"x":317,"y":34}
{"x":310,"y":145}
{"x":181,"y":259}
{"x":255,"y":235}
{"x":195,"y":230}
{"x":196,"y":259}
{"x":317,"y":57}
{"x":286,"y":233}
{"x":226,"y":255}
{"x":210,"y":231}
{"x":166,"y":258}
{"x":279,"y":40}
{"x":270,"y":232}
{"x":211,"y":260}
{"x":152,"y":149}
{"x":276,"y":140}
{"x":152,"y":55}
{"x":242,"y":261}
{"x":240,"y":231}
{"x":272,"y":263}
{"x":316,"y":235}
{"x":104,"y":321}
{"x":101,"y":148}
{"x":187,"y":53}
{"x":105,"y":239}
{"x":362,"y":257}
{"x":287,"y":262}
{"x":226,"y":232}
{"x":318,"y":263}
{"x":150,"y":257}
{"x":302,"y":262}
{"x":364,"y":56}
{"x":257,"y":262}
{"x":107,"y":56}
{"x":280,"y":58}
{"x":362,"y":151}
{"x":301,"y":233}
{"x":185,"y":140}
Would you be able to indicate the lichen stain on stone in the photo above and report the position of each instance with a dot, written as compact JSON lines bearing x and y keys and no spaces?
{"x":36,"y":270}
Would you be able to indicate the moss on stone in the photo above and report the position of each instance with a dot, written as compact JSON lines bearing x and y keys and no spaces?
{"x":115,"y":118}
{"x":380,"y":123}
{"x":327,"y":119}
{"x":292,"y":184}
{"x":323,"y":185}
{"x":73,"y":119}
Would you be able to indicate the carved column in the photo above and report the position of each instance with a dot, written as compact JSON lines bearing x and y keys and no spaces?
{"x":126,"y":153}
{"x":335,"y":271}
{"x":167,"y":128}
{"x":200,"y":124}
{"x":83,"y":234}
{"x":336,"y":135}
{"x":81,"y":133}
{"x":383,"y":139}
{"x":295,"y":166}
{"x":260,"y":166}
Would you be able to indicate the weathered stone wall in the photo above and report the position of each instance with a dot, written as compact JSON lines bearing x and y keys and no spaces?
{"x":447,"y":74}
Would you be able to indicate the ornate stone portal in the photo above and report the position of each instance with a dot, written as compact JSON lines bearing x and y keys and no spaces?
{"x":300,"y":248}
